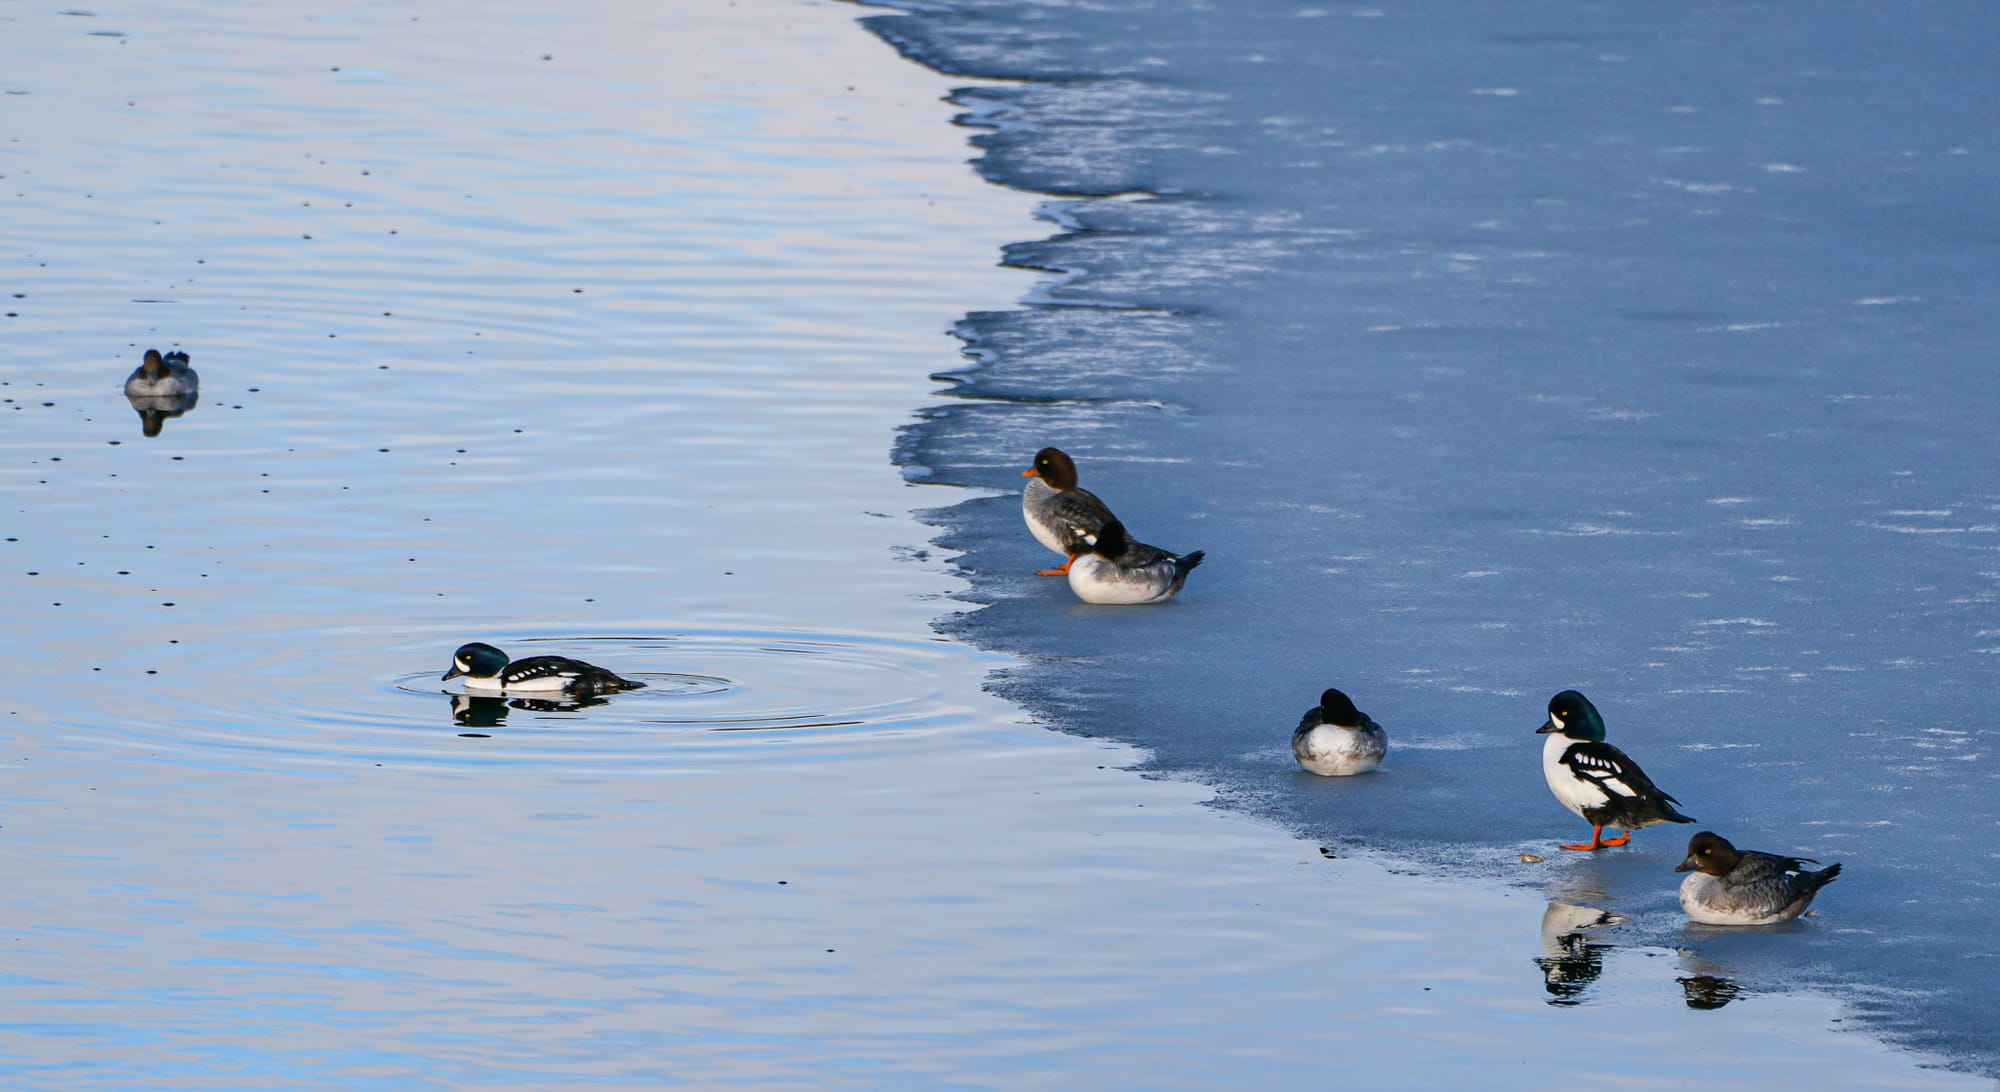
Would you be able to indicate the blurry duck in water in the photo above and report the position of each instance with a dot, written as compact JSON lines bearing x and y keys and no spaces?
{"x":1058,"y":511}
{"x":162,"y":377}
{"x":161,"y":387}
{"x":1122,"y":570}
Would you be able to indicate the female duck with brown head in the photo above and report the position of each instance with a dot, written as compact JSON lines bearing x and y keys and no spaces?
{"x":1058,"y":511}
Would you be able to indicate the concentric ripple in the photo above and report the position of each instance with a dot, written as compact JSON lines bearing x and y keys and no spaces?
{"x":712,"y":697}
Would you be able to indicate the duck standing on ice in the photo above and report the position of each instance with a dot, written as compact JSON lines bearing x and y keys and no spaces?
{"x":1596,"y":780}
{"x":1060,"y":512}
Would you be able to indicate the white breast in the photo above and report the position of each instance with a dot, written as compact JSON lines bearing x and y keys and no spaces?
{"x":1338,"y":752}
{"x":542,"y":685}
{"x":1037,"y":493}
{"x":1095,"y":580}
{"x":1569,"y":791}
{"x":167,"y":386}
{"x":1706,"y":902}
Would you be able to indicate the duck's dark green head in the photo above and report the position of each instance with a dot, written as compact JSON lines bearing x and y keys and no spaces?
{"x":1337,"y":708}
{"x":1572,"y":714}
{"x":478,"y":659}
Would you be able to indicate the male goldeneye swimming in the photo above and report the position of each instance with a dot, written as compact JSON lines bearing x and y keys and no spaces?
{"x":1058,"y":511}
{"x":1334,"y":739}
{"x":1123,"y":570}
{"x":487,"y":668}
{"x":1731,"y":886}
{"x":162,"y":376}
{"x":1596,"y":780}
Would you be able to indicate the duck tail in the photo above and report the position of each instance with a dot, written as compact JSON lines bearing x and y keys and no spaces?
{"x":602,"y":682}
{"x":1664,"y":804}
{"x":611,"y":683}
{"x":1823,"y":877}
{"x":1186,"y":564}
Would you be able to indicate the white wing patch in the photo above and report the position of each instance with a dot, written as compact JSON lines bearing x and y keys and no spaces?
{"x":547,"y":674}
{"x":1601,"y":770}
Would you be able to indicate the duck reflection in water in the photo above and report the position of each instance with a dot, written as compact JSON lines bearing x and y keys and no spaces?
{"x":1709,"y":991}
{"x":1570,"y":960}
{"x":1707,"y":983}
{"x":155,"y":409}
{"x":490,"y":711}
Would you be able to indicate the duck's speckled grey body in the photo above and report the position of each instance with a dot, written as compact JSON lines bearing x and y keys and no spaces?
{"x":1123,"y":570}
{"x":1060,"y":513}
{"x":1729,"y":886}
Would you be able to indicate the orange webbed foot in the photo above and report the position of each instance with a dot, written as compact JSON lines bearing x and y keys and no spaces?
{"x":1597,"y":840}
{"x":1064,"y":571}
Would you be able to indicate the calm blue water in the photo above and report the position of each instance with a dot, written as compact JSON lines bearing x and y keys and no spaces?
{"x":1494,"y":351}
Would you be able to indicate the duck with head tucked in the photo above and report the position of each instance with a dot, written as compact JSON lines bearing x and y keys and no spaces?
{"x":1334,"y":739}
{"x":1121,"y":569}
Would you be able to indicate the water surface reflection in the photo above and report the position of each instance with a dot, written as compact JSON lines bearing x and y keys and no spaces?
{"x":1572,"y":959}
{"x":155,"y":410}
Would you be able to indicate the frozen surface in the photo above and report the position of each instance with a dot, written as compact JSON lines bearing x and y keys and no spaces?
{"x":1495,"y":350}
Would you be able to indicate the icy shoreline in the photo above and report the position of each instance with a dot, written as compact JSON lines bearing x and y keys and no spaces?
{"x":1364,"y":324}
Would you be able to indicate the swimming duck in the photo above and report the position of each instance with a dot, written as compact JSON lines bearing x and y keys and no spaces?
{"x":162,"y":376}
{"x":1334,"y":739}
{"x":1119,"y":569}
{"x":1596,"y":780}
{"x":1731,"y":886}
{"x":1059,"y":511}
{"x":487,"y":668}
